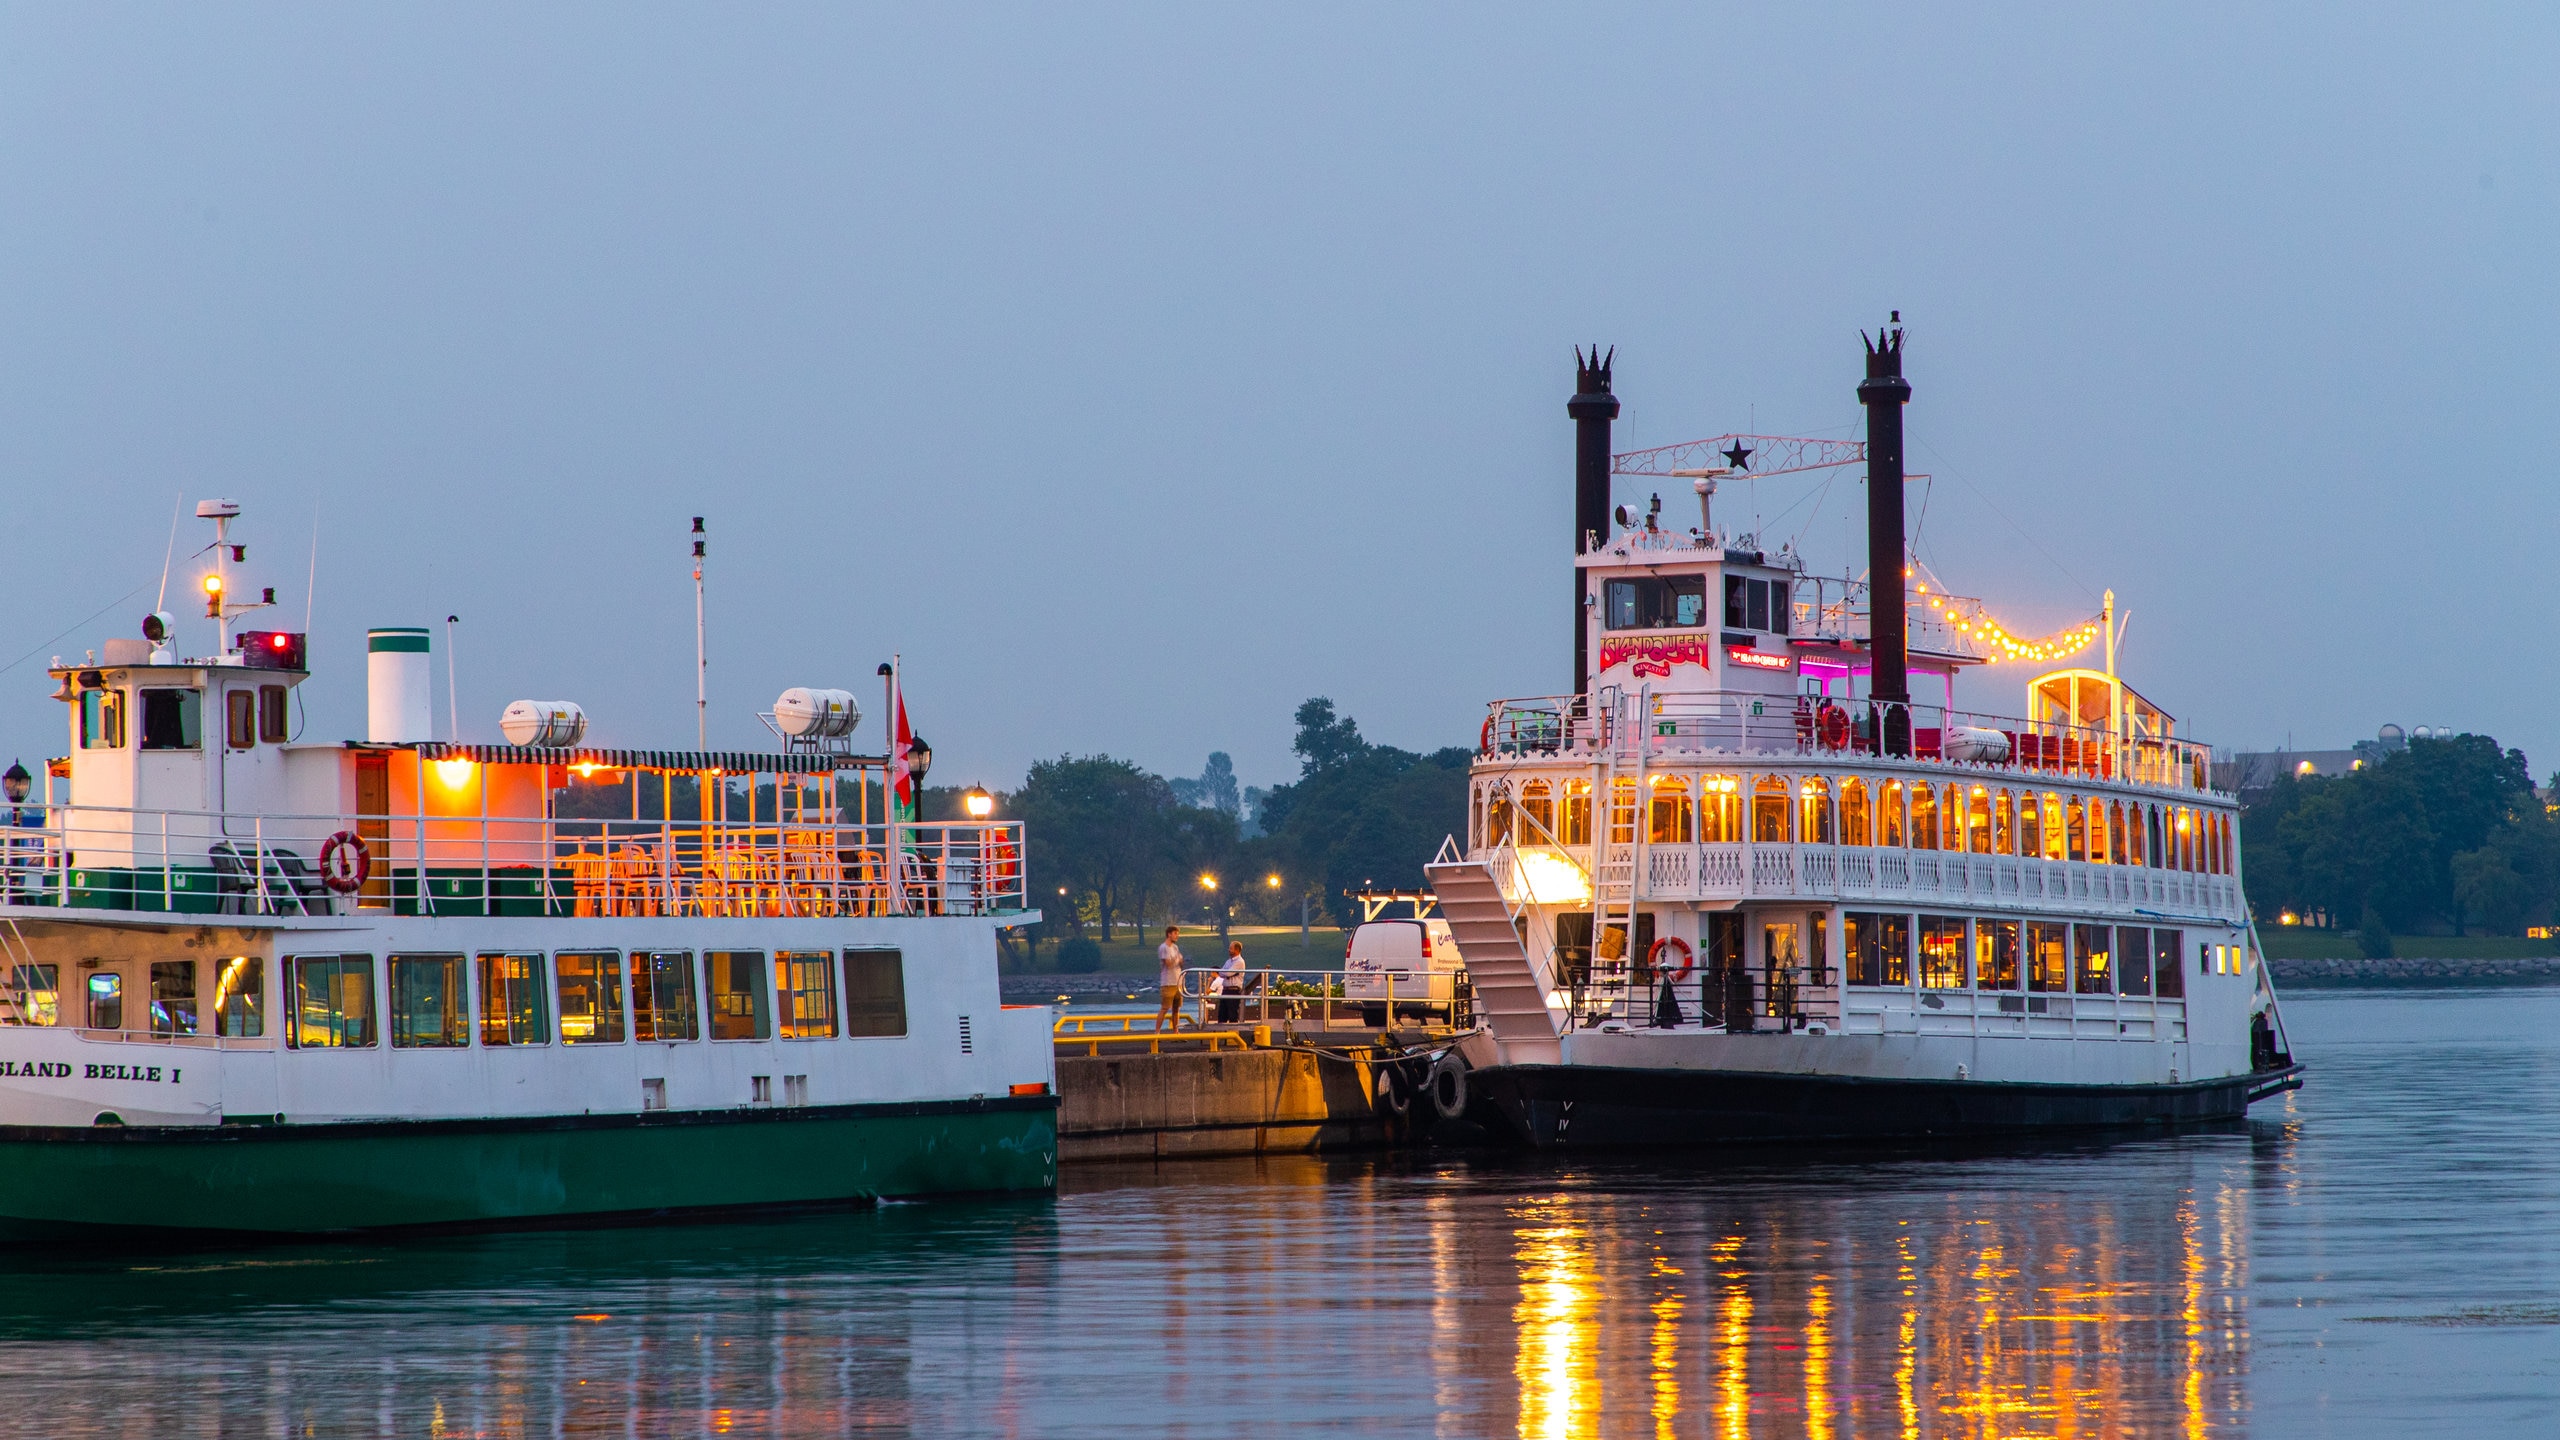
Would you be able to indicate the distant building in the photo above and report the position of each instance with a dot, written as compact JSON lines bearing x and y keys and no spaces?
{"x":2249,"y":774}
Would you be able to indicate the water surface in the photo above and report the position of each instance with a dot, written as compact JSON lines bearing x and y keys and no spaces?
{"x":2373,"y":1256}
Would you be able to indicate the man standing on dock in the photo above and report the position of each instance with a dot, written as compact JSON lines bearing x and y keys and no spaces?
{"x":1169,"y":979}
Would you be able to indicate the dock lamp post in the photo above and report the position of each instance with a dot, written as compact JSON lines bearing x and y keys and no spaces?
{"x":978,"y":803}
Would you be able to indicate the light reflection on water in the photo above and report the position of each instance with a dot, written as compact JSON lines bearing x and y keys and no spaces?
{"x":2119,"y":1289}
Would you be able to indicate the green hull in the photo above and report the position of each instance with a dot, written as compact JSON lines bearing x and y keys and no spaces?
{"x":365,"y":1176}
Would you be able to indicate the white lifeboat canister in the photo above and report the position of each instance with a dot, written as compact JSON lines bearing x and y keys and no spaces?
{"x":543,"y":724}
{"x":1972,"y":743}
{"x":806,"y":714}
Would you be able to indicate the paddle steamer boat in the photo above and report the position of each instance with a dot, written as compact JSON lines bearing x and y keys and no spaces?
{"x":1743,"y":884}
{"x":261,"y":984}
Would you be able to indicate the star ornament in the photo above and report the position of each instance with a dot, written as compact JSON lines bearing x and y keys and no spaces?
{"x":1739,"y":455}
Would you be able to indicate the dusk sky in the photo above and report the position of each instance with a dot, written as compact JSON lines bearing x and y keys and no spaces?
{"x":1138,"y":373}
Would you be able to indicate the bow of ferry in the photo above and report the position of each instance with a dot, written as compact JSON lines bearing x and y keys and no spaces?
{"x":1757,"y":878}
{"x":258,"y":983}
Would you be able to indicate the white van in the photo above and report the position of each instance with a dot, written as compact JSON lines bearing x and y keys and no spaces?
{"x":1415,"y":962}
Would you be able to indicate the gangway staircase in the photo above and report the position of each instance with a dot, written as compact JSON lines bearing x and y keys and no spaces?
{"x":1510,"y":996}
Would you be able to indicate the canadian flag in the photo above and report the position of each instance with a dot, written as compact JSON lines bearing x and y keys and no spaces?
{"x":901,"y":739}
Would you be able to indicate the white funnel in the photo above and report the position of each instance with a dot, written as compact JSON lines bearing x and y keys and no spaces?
{"x":399,"y":708}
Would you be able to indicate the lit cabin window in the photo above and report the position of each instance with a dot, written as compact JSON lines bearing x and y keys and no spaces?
{"x":106,"y":1001}
{"x":1655,"y":602}
{"x":173,"y":997}
{"x":101,"y":719}
{"x":2096,"y":944}
{"x":35,"y":995}
{"x":1924,"y":818}
{"x":804,"y":993}
{"x":2048,"y":958}
{"x":172,"y":719}
{"x":2004,"y":831}
{"x":1941,"y":953}
{"x":1813,"y":810}
{"x":240,"y":997}
{"x":332,"y":999}
{"x":1537,"y":813}
{"x":1573,"y":817}
{"x":1720,"y":809}
{"x":1667,"y":817}
{"x":513,"y":1008}
{"x":1879,"y":948}
{"x":1770,"y":811}
{"x":737,"y":995}
{"x":240,"y":719}
{"x":662,"y":995}
{"x":1757,"y":604}
{"x":875,"y":993}
{"x":429,"y":1008}
{"x":590,"y":996}
{"x":1995,"y":954}
{"x":1856,"y":828}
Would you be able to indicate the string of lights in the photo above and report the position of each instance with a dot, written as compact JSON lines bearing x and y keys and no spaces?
{"x":1967,"y":617}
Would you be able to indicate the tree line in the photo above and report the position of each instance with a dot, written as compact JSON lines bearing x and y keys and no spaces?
{"x":1111,"y":845}
{"x":2447,"y":834}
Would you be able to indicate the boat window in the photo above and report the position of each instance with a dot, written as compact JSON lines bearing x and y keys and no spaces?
{"x":2096,"y":944}
{"x":1924,"y":817}
{"x":1941,"y":953}
{"x":35,"y":995}
{"x":1757,"y":604}
{"x":240,"y":718}
{"x":1720,"y":809}
{"x":875,"y":993}
{"x":1995,"y":954}
{"x":2151,"y":827}
{"x":1655,"y":602}
{"x":101,"y":719}
{"x":332,"y":999}
{"x":2054,"y":840}
{"x":662,"y":995}
{"x":2004,"y":827}
{"x":1817,"y":948}
{"x":173,"y":997}
{"x":804,"y":992}
{"x":106,"y":1001}
{"x":590,"y":984}
{"x":1978,"y":822}
{"x":1497,"y":816}
{"x":1769,"y":810}
{"x":1855,"y":825}
{"x":737,"y":996}
{"x":240,"y":997}
{"x":1813,"y":810}
{"x":430,"y":1009}
{"x":172,"y":719}
{"x":2221,"y":844}
{"x":1537,"y":813}
{"x":2166,"y":977}
{"x":1889,"y":827}
{"x":1879,"y":948}
{"x":514,"y":1010}
{"x":1667,"y":817}
{"x":272,"y":728}
{"x":2048,"y":958}
{"x":2115,"y":833}
{"x":1574,"y":818}
{"x":2133,"y":960}
{"x":1622,"y":811}
{"x":2030,"y":826}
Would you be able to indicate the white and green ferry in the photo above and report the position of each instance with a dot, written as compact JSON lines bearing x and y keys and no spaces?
{"x":256,"y":983}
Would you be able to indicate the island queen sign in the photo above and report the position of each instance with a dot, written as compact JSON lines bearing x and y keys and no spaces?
{"x":1654,"y":658}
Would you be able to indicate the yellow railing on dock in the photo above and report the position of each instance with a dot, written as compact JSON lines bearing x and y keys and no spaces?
{"x":1123,"y":1034}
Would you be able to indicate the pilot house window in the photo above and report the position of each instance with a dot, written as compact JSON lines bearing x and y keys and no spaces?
{"x":172,"y":719}
{"x":1655,"y":602}
{"x":1756,"y":604}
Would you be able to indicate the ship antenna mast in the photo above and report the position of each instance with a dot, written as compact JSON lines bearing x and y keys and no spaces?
{"x":701,"y":662}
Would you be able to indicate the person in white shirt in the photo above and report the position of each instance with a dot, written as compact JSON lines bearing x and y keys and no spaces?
{"x":1169,"y":979}
{"x":1230,"y":984}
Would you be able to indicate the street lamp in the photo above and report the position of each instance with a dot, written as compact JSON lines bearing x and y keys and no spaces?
{"x":978,"y":803}
{"x":16,"y":782}
{"x":1208,"y":882}
{"x":1271,"y":880}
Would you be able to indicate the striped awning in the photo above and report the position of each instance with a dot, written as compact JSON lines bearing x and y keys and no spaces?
{"x":687,"y":762}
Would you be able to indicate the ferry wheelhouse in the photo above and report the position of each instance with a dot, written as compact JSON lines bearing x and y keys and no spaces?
{"x":1759,"y":878}
{"x":261,"y":984}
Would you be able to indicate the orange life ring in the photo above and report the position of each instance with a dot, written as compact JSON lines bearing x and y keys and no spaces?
{"x":1484,"y":742}
{"x":345,"y":862}
{"x":1004,"y":863}
{"x":1688,"y":962}
{"x":1835,"y":728}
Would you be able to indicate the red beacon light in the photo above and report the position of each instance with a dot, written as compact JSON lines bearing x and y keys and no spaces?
{"x":272,"y":650}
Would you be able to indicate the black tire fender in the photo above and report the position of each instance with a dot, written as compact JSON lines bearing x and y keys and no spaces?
{"x":1448,"y":1085}
{"x":1395,"y":1092}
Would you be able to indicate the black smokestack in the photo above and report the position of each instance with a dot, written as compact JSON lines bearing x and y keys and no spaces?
{"x":1884,"y":392}
{"x":1592,"y":408}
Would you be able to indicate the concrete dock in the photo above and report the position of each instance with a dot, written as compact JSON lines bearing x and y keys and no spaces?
{"x":1238,"y":1091}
